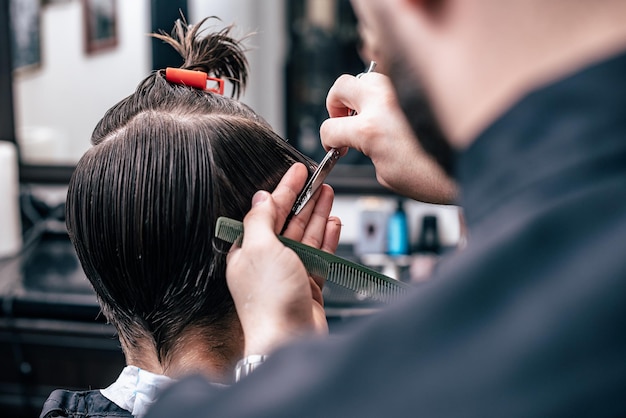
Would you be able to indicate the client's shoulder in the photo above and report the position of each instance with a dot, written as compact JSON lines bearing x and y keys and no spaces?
{"x":83,"y":404}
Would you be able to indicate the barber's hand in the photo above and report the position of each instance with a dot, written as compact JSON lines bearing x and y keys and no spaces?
{"x":380,"y":131}
{"x":276,"y":300}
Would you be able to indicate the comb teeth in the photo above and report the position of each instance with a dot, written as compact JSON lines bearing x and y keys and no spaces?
{"x":229,"y":230}
{"x":315,"y":265}
{"x":361,"y":282}
{"x":368,"y":285}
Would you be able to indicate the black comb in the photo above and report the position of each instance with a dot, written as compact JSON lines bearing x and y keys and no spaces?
{"x":364,"y":284}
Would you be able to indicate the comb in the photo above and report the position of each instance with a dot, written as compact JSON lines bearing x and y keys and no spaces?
{"x":351,"y":280}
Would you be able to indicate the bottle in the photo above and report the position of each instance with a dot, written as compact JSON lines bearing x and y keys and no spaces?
{"x":398,"y":232}
{"x":429,"y":236}
{"x":426,"y":252}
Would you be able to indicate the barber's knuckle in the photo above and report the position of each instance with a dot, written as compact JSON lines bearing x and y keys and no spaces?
{"x":312,"y":241}
{"x":343,"y":78}
{"x":387,"y":100}
{"x":299,"y":223}
{"x":257,"y":215}
{"x":368,"y":133}
{"x":336,"y":85}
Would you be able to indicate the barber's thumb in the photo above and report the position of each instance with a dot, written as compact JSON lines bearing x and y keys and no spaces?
{"x":260,"y":197}
{"x":259,"y":221}
{"x":263,"y":210}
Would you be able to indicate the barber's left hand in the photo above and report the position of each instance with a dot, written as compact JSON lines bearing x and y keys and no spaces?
{"x":276,"y":299}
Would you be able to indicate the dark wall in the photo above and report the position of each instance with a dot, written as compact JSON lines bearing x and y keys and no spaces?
{"x":7,"y":124}
{"x":164,"y":13}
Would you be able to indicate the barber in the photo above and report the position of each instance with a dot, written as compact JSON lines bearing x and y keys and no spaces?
{"x":528,"y":320}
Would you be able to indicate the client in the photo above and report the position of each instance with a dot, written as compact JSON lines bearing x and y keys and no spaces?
{"x":141,"y":210}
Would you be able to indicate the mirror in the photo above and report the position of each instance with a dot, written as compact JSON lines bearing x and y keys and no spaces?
{"x":74,"y":59}
{"x":69,"y":68}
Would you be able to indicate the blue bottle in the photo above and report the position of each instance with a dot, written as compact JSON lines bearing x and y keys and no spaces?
{"x":398,"y":232}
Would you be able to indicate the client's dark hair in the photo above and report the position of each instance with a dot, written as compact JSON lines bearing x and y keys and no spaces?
{"x":142,"y":203}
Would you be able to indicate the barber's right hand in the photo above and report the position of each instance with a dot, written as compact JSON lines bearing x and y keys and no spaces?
{"x":381,"y":131}
{"x":275,"y":298}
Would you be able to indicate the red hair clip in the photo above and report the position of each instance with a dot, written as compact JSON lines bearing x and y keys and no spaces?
{"x":197,"y":79}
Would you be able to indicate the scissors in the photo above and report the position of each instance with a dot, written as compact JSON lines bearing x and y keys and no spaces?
{"x":324,"y":168}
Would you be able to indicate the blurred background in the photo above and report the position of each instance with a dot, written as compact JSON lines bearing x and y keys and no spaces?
{"x":63,"y":63}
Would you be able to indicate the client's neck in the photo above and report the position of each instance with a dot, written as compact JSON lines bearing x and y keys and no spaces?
{"x":193,"y":353}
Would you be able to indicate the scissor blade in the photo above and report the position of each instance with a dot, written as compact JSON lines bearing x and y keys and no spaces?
{"x":316,"y":180}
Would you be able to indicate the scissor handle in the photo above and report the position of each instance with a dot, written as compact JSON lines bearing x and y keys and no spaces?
{"x":369,"y":69}
{"x":327,"y":164}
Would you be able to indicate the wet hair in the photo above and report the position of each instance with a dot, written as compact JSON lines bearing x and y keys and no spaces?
{"x":143,"y":201}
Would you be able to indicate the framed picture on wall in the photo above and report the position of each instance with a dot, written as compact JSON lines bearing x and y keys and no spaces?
{"x":25,"y":33}
{"x":100,"y":18}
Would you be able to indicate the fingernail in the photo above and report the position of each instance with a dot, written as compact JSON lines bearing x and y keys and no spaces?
{"x":259,"y":197}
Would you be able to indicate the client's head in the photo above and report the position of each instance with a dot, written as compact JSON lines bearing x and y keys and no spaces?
{"x":143,"y":201}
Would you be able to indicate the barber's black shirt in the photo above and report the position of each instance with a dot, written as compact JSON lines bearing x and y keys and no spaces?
{"x":528,"y":321}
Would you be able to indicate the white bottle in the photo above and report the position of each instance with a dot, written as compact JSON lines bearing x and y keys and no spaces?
{"x":10,"y":223}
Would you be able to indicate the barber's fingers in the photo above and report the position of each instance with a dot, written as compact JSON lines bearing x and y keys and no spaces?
{"x":321,"y":230}
{"x":343,"y":96}
{"x":287,"y":191}
{"x":374,"y":99}
{"x":313,"y":234}
{"x":259,"y":224}
{"x":350,"y":93}
{"x":331,"y":235}
{"x":298,"y":223}
{"x":265,"y":220}
{"x":348,"y":132}
{"x":308,"y":225}
{"x":329,"y":243}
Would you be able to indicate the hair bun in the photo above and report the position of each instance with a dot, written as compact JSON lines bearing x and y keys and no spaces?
{"x":216,"y":53}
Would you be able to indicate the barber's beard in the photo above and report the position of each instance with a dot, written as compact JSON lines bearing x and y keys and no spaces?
{"x":419,"y":112}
